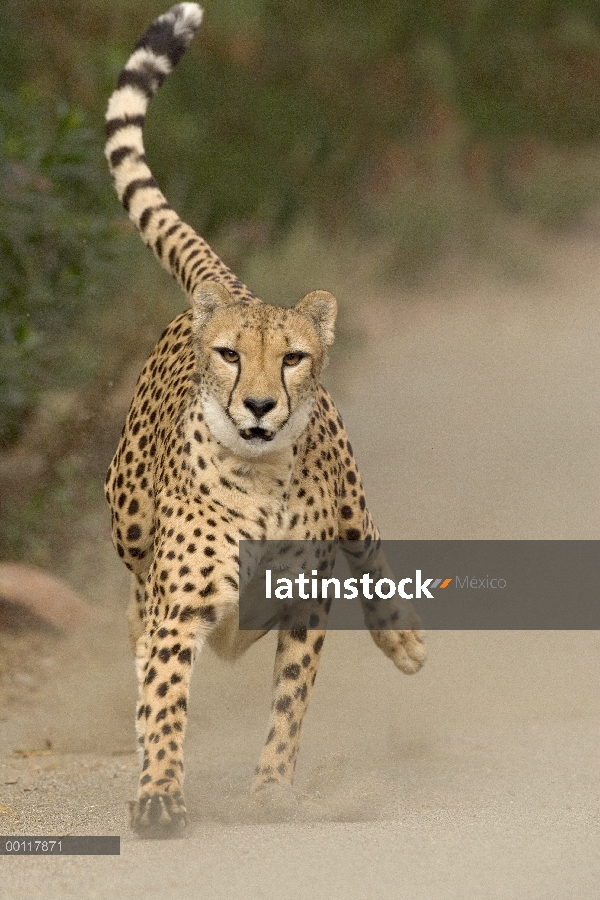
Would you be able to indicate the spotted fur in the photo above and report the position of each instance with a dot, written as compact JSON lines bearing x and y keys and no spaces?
{"x":229,"y":436}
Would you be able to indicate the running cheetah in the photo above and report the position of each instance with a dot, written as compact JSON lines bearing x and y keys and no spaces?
{"x":229,"y":436}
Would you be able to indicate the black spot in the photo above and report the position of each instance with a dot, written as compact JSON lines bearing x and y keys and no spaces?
{"x":346,"y":512}
{"x":187,"y":613}
{"x":208,"y":613}
{"x":283,"y":704}
{"x":298,"y":634}
{"x":292,"y":671}
{"x":134,"y":533}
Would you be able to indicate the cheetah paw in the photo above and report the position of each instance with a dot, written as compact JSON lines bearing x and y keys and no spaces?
{"x":406,"y":649}
{"x":156,"y":815}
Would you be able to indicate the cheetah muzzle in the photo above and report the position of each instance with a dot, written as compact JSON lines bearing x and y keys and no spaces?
{"x":260,"y":433}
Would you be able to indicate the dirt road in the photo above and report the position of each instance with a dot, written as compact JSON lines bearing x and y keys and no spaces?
{"x":473,"y":414}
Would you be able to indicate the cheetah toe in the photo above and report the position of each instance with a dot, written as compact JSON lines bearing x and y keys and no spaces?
{"x":406,"y":649}
{"x":156,"y":815}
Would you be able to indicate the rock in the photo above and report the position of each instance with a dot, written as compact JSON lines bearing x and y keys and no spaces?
{"x":32,"y":598}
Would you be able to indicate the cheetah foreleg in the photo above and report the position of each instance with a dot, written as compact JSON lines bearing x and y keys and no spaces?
{"x":184,"y":603}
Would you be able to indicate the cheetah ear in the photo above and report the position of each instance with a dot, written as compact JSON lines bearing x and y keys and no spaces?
{"x":209,"y":300}
{"x":321,"y":308}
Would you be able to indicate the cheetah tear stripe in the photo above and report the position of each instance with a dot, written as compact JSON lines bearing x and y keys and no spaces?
{"x":177,"y":246}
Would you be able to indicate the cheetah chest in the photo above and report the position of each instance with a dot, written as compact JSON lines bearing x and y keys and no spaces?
{"x":253,"y":495}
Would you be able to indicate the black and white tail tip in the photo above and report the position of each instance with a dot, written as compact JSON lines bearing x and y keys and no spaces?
{"x":154,"y":57}
{"x":178,"y":247}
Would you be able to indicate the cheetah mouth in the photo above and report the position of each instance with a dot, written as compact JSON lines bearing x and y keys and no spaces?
{"x":261,"y":434}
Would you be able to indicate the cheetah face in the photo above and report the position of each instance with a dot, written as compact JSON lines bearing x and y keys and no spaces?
{"x":259,"y":367}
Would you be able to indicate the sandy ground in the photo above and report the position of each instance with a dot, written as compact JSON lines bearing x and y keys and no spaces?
{"x":473,"y":413}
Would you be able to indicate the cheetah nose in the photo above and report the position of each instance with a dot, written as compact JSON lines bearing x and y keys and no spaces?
{"x":260,"y":407}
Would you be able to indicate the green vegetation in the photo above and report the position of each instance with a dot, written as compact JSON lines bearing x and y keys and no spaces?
{"x":55,"y":237}
{"x":410,"y":127}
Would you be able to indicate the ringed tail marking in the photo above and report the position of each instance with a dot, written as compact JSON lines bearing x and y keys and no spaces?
{"x":177,"y":246}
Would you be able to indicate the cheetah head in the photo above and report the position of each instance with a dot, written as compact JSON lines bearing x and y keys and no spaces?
{"x":259,"y":367}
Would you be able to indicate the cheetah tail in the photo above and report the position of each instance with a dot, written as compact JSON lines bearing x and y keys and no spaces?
{"x":177,"y":246}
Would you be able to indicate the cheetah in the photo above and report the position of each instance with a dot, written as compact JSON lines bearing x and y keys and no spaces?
{"x":229,"y":437}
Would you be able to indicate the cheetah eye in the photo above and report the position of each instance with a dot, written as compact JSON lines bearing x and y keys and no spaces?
{"x":230,"y":356}
{"x":292,"y":359}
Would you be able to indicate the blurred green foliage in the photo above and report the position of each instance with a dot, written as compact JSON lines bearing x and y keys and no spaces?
{"x":330,"y":111}
{"x":289,"y":108}
{"x":400,"y":121}
{"x":55,"y":241}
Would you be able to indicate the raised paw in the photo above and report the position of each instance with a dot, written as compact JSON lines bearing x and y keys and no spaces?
{"x":156,"y":815}
{"x":406,"y":649}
